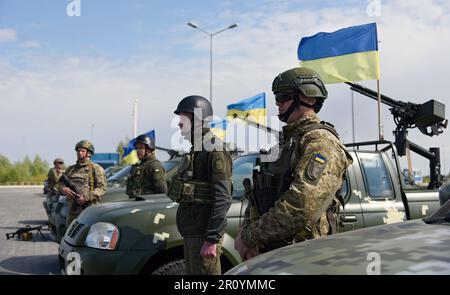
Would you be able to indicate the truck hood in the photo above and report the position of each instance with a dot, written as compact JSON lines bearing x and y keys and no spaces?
{"x":412,"y":247}
{"x":108,"y":212}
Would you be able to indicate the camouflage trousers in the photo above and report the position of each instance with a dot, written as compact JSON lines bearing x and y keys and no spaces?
{"x":195,"y":263}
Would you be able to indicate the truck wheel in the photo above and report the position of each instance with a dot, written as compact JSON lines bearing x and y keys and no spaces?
{"x":176,"y":267}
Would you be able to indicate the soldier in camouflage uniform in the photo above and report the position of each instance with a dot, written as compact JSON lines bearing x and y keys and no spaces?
{"x":52,"y":183}
{"x":88,"y":178}
{"x":148,"y":176}
{"x":203,"y":189}
{"x":294,"y":198}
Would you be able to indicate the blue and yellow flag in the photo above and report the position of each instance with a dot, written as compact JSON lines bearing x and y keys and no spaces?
{"x":253,"y":108}
{"x":350,"y":54}
{"x":129,"y":152}
{"x":219,"y":128}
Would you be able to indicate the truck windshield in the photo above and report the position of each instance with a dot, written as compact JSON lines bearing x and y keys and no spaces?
{"x":121,"y":174}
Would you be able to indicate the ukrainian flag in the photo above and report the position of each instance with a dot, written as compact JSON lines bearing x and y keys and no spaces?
{"x":129,"y":152}
{"x":350,"y":54}
{"x":253,"y":109}
{"x":219,"y":128}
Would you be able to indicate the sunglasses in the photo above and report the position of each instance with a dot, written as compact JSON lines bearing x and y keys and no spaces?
{"x":283,"y":97}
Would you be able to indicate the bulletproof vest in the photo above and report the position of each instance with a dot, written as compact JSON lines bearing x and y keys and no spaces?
{"x":137,"y":180}
{"x":274,"y":178}
{"x":83,"y":181}
{"x":192,"y":184}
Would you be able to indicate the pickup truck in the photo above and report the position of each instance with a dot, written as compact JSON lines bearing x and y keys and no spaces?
{"x":416,"y":247}
{"x":141,"y":237}
{"x":115,"y":192}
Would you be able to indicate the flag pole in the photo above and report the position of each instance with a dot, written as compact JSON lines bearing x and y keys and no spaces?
{"x":380,"y":124}
{"x":408,"y":156}
{"x":353,"y":118}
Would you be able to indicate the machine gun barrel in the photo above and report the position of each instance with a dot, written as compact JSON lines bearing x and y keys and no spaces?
{"x":374,"y":95}
{"x":428,"y":117}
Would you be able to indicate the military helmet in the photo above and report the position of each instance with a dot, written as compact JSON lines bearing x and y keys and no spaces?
{"x":58,"y":161}
{"x":305,"y":80}
{"x":85,"y":144}
{"x":145,"y":140}
{"x":189,"y":103}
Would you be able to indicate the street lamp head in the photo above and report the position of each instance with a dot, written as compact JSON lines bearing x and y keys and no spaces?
{"x":192,"y":25}
{"x":233,"y":26}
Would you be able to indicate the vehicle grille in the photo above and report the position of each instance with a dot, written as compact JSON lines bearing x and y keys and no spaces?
{"x":75,"y":229}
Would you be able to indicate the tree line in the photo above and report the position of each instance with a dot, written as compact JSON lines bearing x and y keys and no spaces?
{"x":26,"y":171}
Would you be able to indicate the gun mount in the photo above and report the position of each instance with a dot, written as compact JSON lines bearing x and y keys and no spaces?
{"x":429,"y":118}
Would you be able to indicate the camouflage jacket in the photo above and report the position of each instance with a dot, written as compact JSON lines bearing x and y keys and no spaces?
{"x":316,"y":165}
{"x":89,"y":178}
{"x":52,"y":179}
{"x":211,"y":170}
{"x":147,"y":177}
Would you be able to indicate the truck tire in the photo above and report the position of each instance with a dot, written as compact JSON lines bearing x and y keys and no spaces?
{"x":175,"y":267}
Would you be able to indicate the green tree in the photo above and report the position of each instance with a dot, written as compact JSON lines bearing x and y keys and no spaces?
{"x":25,"y":171}
{"x":5,"y":169}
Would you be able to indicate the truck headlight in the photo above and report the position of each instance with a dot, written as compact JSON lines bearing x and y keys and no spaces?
{"x":102,"y":235}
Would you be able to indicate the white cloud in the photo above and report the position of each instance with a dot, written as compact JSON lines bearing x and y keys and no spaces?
{"x":31,"y":44}
{"x":7,"y":35}
{"x":52,"y":102}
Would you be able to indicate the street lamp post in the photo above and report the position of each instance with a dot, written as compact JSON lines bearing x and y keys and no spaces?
{"x":211,"y":35}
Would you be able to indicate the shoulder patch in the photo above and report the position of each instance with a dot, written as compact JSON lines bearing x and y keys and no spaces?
{"x":157,"y":173}
{"x":316,"y":166}
{"x":219,"y":165}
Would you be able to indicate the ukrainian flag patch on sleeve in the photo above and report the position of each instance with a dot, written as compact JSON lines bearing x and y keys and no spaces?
{"x":319,"y":158}
{"x":316,"y":166}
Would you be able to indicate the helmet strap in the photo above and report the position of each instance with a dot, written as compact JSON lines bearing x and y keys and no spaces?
{"x":285,"y":116}
{"x":296,"y":105}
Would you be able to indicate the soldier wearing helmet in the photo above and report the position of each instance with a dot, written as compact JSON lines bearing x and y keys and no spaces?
{"x":51,"y":187}
{"x":89,"y":179}
{"x":202,"y":187}
{"x":54,"y":174}
{"x":148,"y":175}
{"x":295,"y":198}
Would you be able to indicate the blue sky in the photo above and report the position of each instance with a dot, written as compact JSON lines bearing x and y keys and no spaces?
{"x":60,"y":74}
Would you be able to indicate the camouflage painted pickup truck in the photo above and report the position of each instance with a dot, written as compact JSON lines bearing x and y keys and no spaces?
{"x":140,"y":237}
{"x":417,"y":247}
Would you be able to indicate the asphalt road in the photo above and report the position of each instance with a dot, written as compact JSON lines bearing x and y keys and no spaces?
{"x":20,"y":207}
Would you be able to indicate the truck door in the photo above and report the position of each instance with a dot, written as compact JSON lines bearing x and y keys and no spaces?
{"x":379,"y":201}
{"x":350,"y":216}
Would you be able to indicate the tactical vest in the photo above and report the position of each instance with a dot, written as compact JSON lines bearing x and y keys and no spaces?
{"x":185,"y":189}
{"x":136,"y":184}
{"x":91,"y":183}
{"x":277,"y":176}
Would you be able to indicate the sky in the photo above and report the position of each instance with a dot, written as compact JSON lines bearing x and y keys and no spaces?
{"x":65,"y":78}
